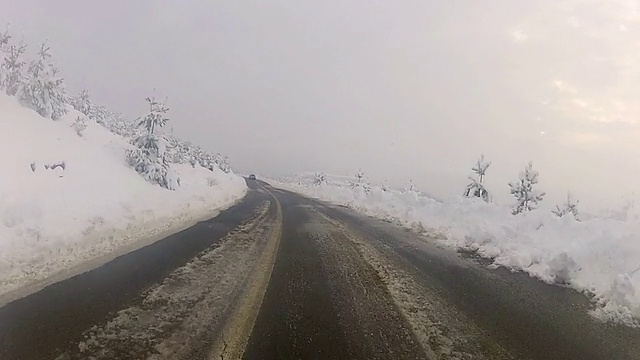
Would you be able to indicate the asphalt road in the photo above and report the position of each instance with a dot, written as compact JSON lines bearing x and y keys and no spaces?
{"x":280,"y":276}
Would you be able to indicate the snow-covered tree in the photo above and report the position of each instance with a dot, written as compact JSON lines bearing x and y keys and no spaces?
{"x":522,"y":189}
{"x":319,"y":179}
{"x":82,"y":103}
{"x":4,"y":39}
{"x":184,"y":152}
{"x":384,"y":187}
{"x":148,"y":159}
{"x":44,"y":89}
{"x":156,"y":117}
{"x":11,"y":75}
{"x":360,"y":182}
{"x":222,"y":162}
{"x":97,"y":113}
{"x":174,"y":149}
{"x":411,"y":188}
{"x":4,"y":47}
{"x":476,"y":187}
{"x":114,"y":122}
{"x":569,"y":207}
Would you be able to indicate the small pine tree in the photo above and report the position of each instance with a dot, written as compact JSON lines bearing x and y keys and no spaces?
{"x":569,"y":207}
{"x":44,"y":90}
{"x":361,"y":182}
{"x":411,"y":188}
{"x":384,"y":187}
{"x":148,"y":159}
{"x":4,"y":47}
{"x":83,"y":103}
{"x":522,"y":189}
{"x":319,"y":179}
{"x":5,"y":37}
{"x":156,"y":117}
{"x":11,"y":76}
{"x":476,"y":187}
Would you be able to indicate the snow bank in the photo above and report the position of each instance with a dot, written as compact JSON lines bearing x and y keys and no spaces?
{"x":54,"y":219}
{"x":598,"y":256}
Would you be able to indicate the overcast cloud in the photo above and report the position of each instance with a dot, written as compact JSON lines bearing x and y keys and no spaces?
{"x":402,"y":89}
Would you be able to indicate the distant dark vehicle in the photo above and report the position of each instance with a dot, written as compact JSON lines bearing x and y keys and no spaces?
{"x":252,"y":177}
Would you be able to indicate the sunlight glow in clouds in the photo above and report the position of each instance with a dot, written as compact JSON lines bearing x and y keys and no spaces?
{"x":519,"y":36}
{"x":604,"y":83}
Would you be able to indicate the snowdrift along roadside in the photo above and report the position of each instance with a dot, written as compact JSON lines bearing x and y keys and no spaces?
{"x":56,"y":219}
{"x":598,"y":256}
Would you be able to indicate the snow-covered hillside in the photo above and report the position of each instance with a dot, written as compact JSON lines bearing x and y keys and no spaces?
{"x":599,"y":256}
{"x":92,"y":205}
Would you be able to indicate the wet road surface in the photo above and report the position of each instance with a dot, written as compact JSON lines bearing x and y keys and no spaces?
{"x":280,"y":276}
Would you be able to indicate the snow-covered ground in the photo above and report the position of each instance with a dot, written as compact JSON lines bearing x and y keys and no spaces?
{"x":94,"y":208}
{"x":599,"y":256}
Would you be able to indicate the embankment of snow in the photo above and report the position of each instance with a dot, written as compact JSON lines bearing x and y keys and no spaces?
{"x":598,"y":256}
{"x":96,"y":205}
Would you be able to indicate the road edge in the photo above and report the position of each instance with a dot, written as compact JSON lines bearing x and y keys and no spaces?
{"x":234,"y":336}
{"x":94,"y":263}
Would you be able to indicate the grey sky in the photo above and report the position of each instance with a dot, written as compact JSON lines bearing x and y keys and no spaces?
{"x":402,"y":89}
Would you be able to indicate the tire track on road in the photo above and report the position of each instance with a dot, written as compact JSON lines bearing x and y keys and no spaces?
{"x":323,"y":300}
{"x":444,"y":332}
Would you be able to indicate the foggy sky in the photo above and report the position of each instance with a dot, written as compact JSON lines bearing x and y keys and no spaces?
{"x":402,"y":89}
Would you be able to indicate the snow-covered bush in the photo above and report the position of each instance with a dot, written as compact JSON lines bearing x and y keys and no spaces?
{"x":100,"y":114}
{"x":44,"y":89}
{"x":476,"y":187}
{"x":570,"y":206}
{"x":522,"y":189}
{"x":184,"y":152}
{"x":79,"y":125}
{"x":114,"y":122}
